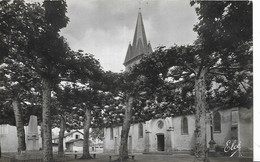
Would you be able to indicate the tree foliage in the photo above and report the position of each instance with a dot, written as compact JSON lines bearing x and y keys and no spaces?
{"x":216,"y":70}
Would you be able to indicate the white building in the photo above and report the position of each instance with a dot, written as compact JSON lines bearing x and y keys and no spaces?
{"x":73,"y":141}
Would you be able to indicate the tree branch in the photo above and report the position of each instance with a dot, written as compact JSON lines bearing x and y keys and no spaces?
{"x":243,"y":86}
{"x":190,"y":68}
{"x":201,"y":65}
{"x":218,"y":67}
{"x":217,"y":73}
{"x":181,"y":75}
{"x":213,"y":62}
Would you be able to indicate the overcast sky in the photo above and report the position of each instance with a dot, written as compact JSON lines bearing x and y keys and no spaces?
{"x":104,"y":28}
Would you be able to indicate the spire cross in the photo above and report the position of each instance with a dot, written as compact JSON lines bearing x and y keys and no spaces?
{"x":140,"y":4}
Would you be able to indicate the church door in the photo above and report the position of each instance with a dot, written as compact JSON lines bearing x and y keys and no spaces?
{"x":160,"y":142}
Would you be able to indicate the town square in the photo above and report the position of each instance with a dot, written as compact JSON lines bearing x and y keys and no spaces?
{"x":121,"y":80}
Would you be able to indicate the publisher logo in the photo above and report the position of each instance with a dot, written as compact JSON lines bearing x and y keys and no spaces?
{"x":232,"y":146}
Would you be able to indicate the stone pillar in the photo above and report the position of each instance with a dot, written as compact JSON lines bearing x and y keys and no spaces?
{"x":32,"y":136}
{"x":130,"y":145}
{"x":116,"y":146}
{"x":147,"y":141}
{"x":235,"y":136}
{"x":211,"y":142}
{"x":169,"y":140}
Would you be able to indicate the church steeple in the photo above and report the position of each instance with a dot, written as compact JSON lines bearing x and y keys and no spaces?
{"x":139,"y":46}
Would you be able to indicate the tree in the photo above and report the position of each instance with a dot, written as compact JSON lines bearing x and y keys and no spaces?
{"x":63,"y":115}
{"x":97,"y":133}
{"x":121,"y":110}
{"x":17,"y":92}
{"x":217,"y":56}
{"x":34,"y":33}
{"x":17,"y":78}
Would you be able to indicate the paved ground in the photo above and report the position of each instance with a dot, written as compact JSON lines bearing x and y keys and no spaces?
{"x":100,"y":157}
{"x":166,"y":158}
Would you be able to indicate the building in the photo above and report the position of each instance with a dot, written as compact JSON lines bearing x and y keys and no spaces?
{"x":226,"y":127}
{"x":72,"y":141}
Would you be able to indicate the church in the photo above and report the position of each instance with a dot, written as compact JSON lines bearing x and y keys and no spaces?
{"x":225,"y":127}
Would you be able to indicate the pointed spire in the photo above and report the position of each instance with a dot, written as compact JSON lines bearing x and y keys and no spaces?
{"x":139,"y":31}
{"x":139,"y":45}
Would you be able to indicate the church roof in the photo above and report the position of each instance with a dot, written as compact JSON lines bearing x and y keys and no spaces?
{"x":139,"y":45}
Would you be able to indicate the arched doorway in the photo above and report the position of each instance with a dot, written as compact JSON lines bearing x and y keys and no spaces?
{"x":160,"y":142}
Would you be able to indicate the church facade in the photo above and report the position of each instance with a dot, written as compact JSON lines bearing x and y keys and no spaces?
{"x":225,"y":127}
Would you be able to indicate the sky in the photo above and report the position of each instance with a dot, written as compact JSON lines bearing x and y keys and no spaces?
{"x":104,"y":28}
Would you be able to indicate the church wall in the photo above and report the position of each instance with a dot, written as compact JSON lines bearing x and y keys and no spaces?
{"x":225,"y":134}
{"x":246,"y":129}
{"x":155,"y":130}
{"x":111,"y":145}
{"x":172,"y":129}
{"x":108,"y":143}
{"x":183,"y":142}
{"x":137,"y":142}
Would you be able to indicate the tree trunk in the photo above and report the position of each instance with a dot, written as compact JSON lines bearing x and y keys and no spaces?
{"x":201,"y":152}
{"x":123,"y":150}
{"x":61,"y":136}
{"x":46,"y":120}
{"x":19,"y":125}
{"x":86,"y":154}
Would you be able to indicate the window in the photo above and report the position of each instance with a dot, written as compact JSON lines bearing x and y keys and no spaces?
{"x":184,"y":125}
{"x":111,"y":134}
{"x":140,"y":130}
{"x":77,"y":136}
{"x":217,"y":122}
{"x":160,"y":124}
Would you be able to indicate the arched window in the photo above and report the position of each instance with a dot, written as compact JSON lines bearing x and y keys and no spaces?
{"x":111,"y":134}
{"x":140,"y":130}
{"x":184,"y":125}
{"x":217,"y":122}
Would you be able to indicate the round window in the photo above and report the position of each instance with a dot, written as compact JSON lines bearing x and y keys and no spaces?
{"x":160,"y":124}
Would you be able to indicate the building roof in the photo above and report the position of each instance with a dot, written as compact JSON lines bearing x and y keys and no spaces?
{"x":70,"y":133}
{"x":139,"y":45}
{"x":74,"y":140}
{"x":67,"y":134}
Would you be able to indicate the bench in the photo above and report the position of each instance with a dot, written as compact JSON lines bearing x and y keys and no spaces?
{"x":110,"y":157}
{"x":76,"y":155}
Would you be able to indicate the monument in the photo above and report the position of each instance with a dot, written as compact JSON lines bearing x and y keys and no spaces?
{"x":32,"y":135}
